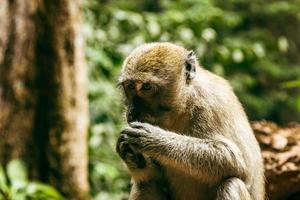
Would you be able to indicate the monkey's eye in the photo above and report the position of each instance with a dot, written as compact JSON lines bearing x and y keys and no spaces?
{"x":146,"y":86}
{"x":131,"y":85}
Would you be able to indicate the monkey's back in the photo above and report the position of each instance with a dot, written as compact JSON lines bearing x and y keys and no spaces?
{"x":219,"y":111}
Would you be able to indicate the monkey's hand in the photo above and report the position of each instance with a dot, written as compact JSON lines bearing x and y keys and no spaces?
{"x":142,"y":167}
{"x":143,"y":136}
{"x":131,"y":157}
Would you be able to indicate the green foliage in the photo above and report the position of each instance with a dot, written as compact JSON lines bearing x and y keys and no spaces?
{"x":14,"y":185}
{"x":252,"y":43}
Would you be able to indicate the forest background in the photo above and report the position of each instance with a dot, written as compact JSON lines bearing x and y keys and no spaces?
{"x":255,"y":44}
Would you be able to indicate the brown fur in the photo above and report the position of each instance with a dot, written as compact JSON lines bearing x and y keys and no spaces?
{"x":192,"y":131}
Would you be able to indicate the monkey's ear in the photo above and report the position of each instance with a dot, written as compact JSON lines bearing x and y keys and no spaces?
{"x":190,"y":66}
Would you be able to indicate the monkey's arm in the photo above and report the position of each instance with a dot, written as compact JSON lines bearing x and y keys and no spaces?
{"x":208,"y":159}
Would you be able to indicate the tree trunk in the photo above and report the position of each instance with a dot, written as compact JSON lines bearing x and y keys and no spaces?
{"x":43,"y":103}
{"x":17,"y":79}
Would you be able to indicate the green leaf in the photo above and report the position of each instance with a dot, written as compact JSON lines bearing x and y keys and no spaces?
{"x":4,"y":188}
{"x":291,"y":84}
{"x":3,"y":181}
{"x":298,"y":103}
{"x":42,"y":191}
{"x":18,"y":195}
{"x":17,"y":174}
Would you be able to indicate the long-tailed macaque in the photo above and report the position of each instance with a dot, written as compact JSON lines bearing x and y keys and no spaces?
{"x":188,"y":135}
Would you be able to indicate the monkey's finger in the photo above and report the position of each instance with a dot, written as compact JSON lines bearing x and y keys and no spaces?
{"x":121,"y":138}
{"x":144,"y":126}
{"x":125,"y":150}
{"x":135,"y":142}
{"x":133,"y":132}
{"x":126,"y":130}
{"x":141,"y":125}
{"x":136,"y":124}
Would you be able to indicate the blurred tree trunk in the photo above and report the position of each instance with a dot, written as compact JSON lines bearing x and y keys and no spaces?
{"x":43,"y":103}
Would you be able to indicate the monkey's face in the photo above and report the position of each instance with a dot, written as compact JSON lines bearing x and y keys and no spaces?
{"x":153,"y":80}
{"x":146,"y":101}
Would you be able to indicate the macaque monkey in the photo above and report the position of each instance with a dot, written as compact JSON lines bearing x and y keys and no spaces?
{"x":188,"y":135}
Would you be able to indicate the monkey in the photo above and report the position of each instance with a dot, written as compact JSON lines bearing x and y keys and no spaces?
{"x":188,"y":136}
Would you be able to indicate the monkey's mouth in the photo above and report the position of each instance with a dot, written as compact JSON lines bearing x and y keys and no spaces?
{"x":141,"y":118}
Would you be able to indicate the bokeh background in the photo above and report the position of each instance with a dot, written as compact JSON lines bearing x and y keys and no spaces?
{"x":255,"y":44}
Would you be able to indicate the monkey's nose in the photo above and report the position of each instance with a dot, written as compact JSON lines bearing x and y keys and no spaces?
{"x":138,"y":86}
{"x":133,"y":116}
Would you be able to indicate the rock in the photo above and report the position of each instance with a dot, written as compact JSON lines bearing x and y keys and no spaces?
{"x":281,"y":152}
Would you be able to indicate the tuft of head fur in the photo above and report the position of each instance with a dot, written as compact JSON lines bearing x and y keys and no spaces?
{"x":162,"y":60}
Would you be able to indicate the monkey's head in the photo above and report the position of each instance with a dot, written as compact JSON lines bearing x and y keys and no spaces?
{"x":154,"y":77}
